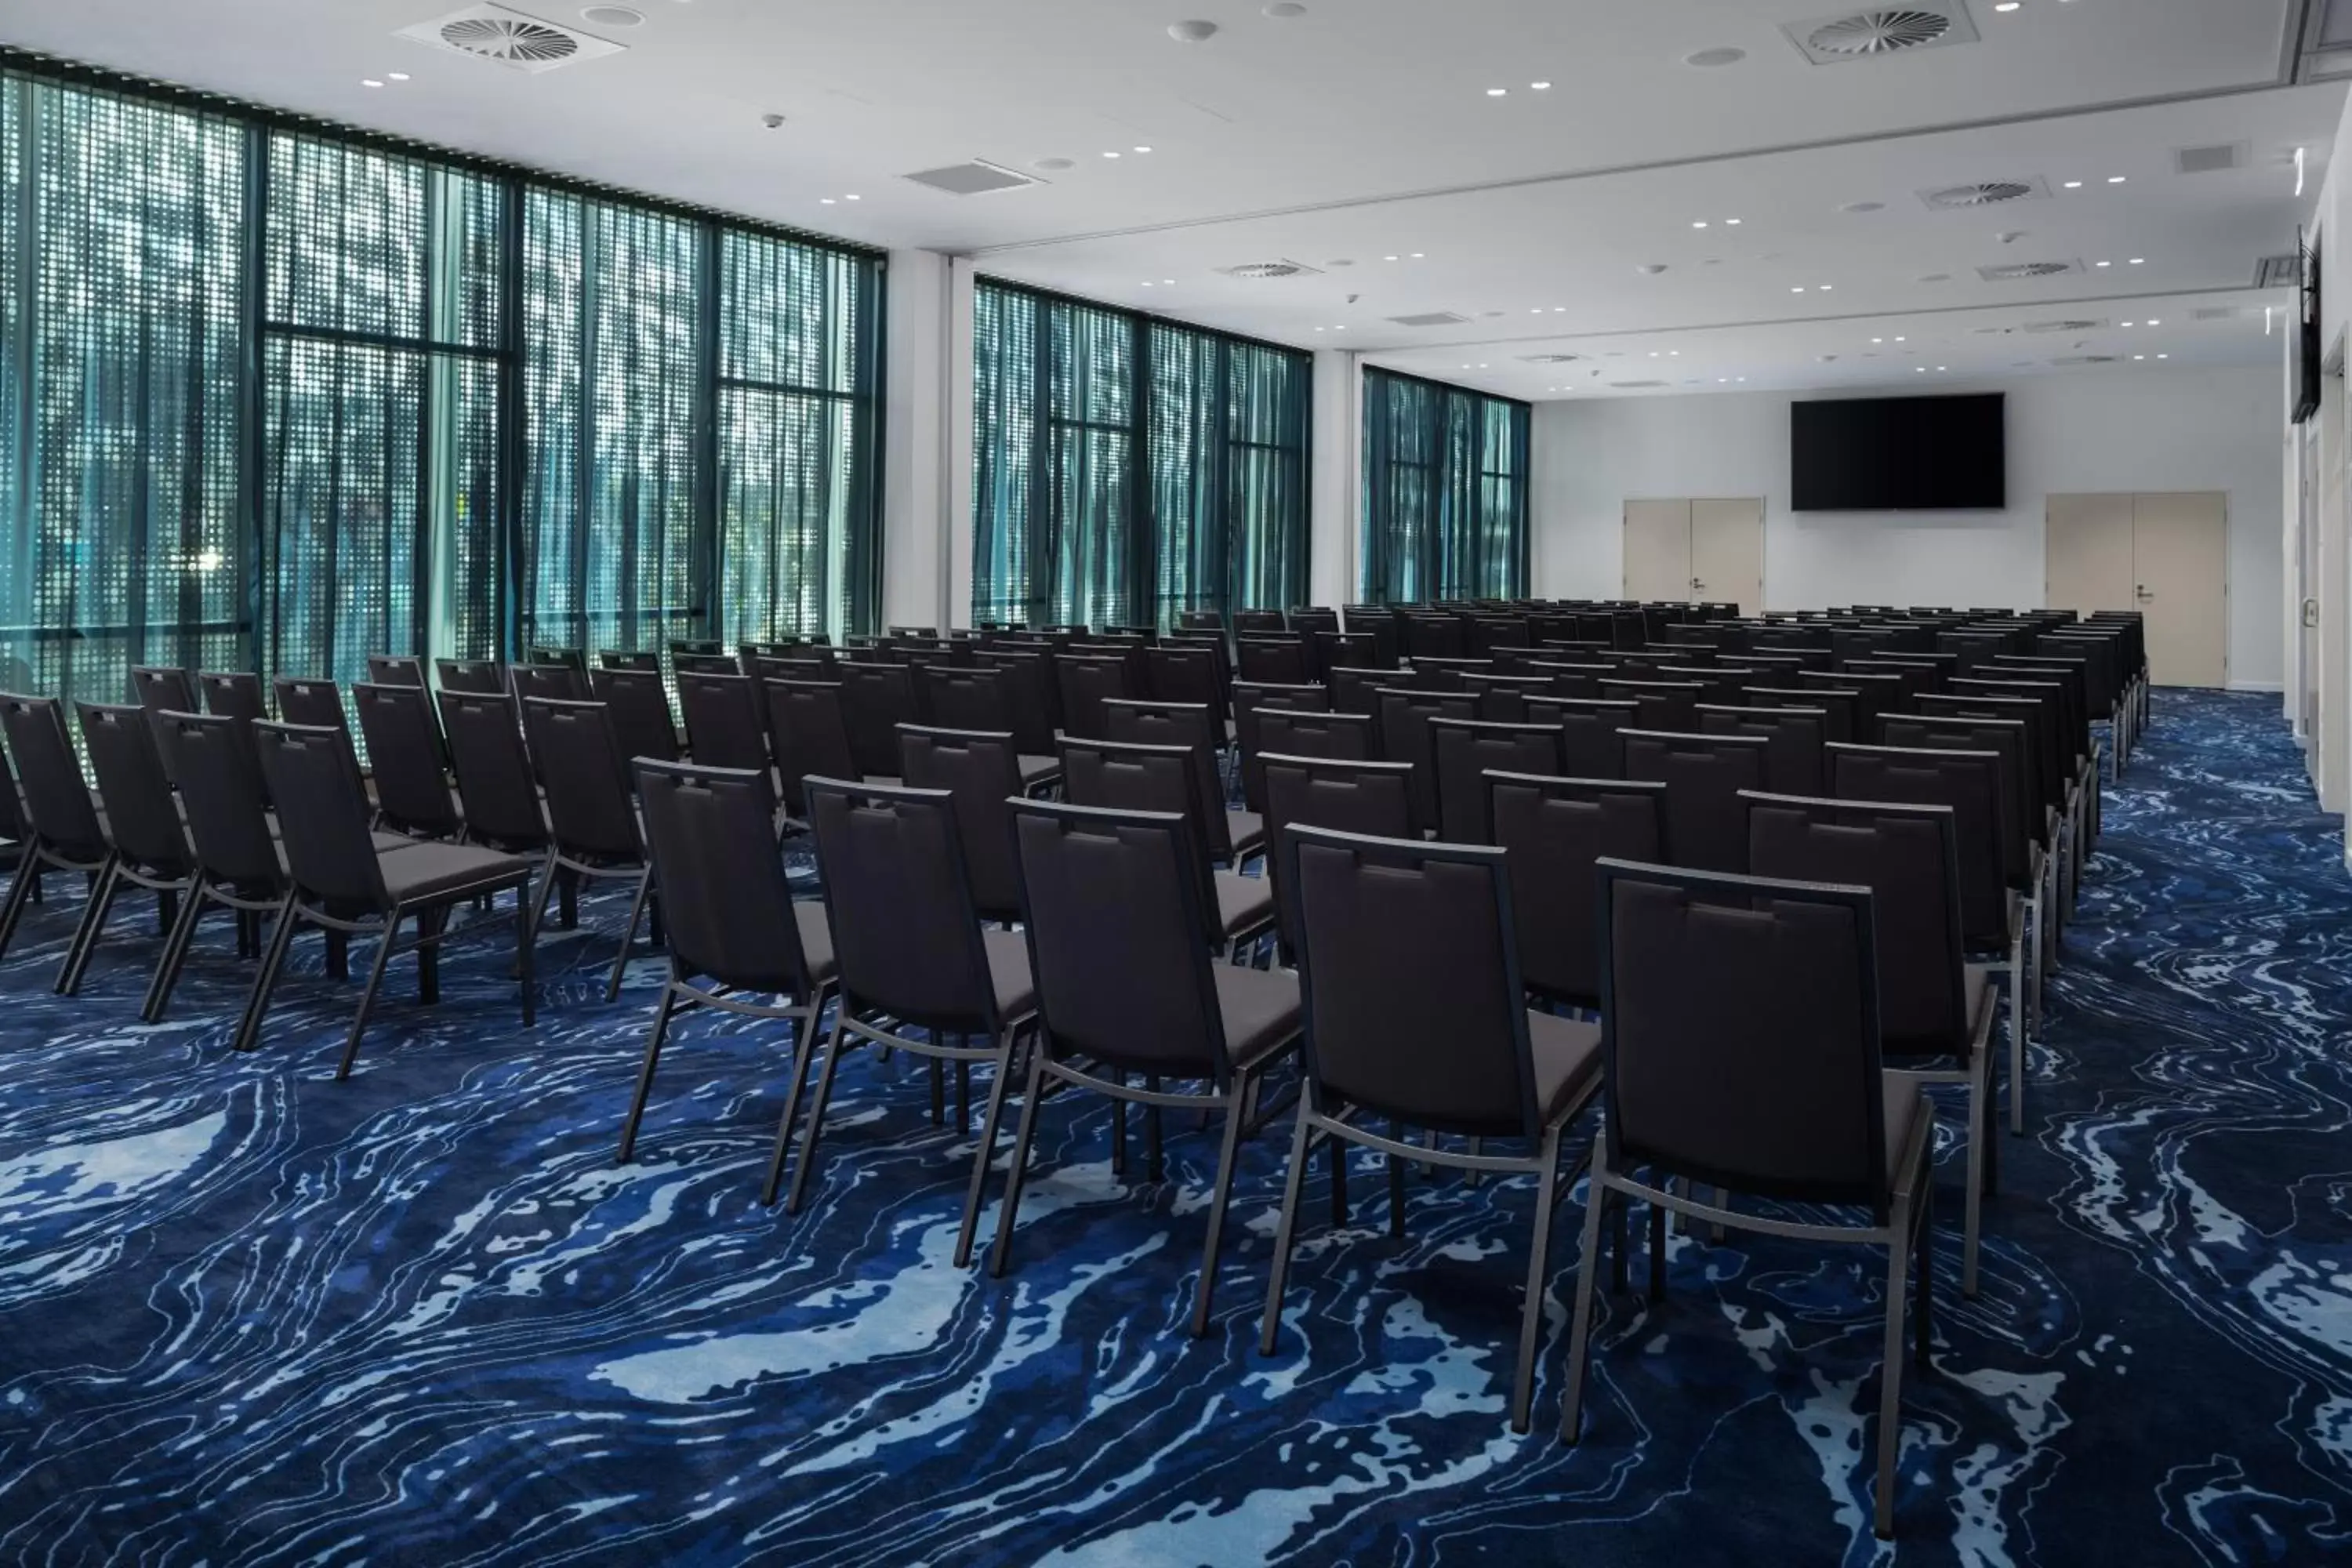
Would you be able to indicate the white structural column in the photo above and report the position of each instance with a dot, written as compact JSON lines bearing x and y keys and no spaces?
{"x":1337,"y":487}
{"x":926,"y":422}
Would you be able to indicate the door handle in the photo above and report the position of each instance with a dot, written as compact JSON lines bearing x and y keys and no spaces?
{"x":2311,"y":612}
{"x":2144,"y":593}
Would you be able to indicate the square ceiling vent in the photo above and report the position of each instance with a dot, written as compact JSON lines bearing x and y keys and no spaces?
{"x":1431,"y":319}
{"x":1881,"y":31}
{"x":976,"y":178}
{"x":509,"y":38}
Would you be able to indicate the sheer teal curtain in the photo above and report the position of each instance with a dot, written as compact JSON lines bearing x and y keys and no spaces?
{"x":1127,"y":469}
{"x":276,"y":397}
{"x":1445,"y":493}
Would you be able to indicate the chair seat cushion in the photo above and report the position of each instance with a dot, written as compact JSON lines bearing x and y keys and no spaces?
{"x":415,"y":873}
{"x":816,"y":939}
{"x":1036,"y":771}
{"x":1243,"y":903}
{"x":1260,"y":1008}
{"x":1566,"y":1057}
{"x":1248,"y":831}
{"x":1008,"y":969}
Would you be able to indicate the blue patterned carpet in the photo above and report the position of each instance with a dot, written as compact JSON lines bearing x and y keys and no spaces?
{"x":248,"y":1315}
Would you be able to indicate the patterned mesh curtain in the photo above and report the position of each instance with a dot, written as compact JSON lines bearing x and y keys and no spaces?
{"x":1445,"y":493}
{"x":1127,"y":469}
{"x":122,"y":319}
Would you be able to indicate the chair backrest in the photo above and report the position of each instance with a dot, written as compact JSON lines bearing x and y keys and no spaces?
{"x":982,"y":772}
{"x":1190,"y":727}
{"x":1252,"y":623}
{"x":396,"y":670}
{"x":722,"y":718}
{"x":904,"y":929}
{"x":1189,"y":674}
{"x":412,"y":791}
{"x":1502,"y":698}
{"x":1087,"y":680}
{"x":584,"y":777}
{"x":1130,"y":777}
{"x":1434,"y":637}
{"x":727,"y":904}
{"x":1556,"y":831}
{"x":1465,"y":751}
{"x":1840,"y":710}
{"x":1795,"y":761}
{"x":569,"y":658}
{"x":1967,"y":782}
{"x":1766,"y":1078}
{"x":556,"y":682}
{"x":160,"y":688}
{"x":644,"y":661}
{"x":57,"y":808}
{"x":1294,"y":732}
{"x":2041,"y":714}
{"x":810,"y":733}
{"x":695,"y":648}
{"x":126,"y":754}
{"x":1592,"y":730}
{"x":1706,"y":821}
{"x":712,"y":663}
{"x":1405,"y":737}
{"x":1908,"y":855}
{"x":1034,"y":693}
{"x":972,"y":697}
{"x":1671,"y":705}
{"x":494,"y":776}
{"x":1403,"y":945}
{"x":1280,"y":660}
{"x":2005,"y":739}
{"x":636,"y":705}
{"x":1353,"y":795}
{"x":481,"y":676}
{"x":311,"y":703}
{"x":875,"y":699}
{"x":236,"y":694}
{"x":323,"y":815}
{"x":222,"y":791}
{"x":1250,"y":699}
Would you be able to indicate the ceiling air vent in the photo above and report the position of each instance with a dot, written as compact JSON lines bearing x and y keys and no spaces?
{"x":2021,"y":271}
{"x":2278,"y":272}
{"x":1257,"y":271}
{"x":1869,"y":35}
{"x":2067,"y":326}
{"x":2214,"y":313}
{"x":509,"y":38}
{"x":1982,"y":194}
{"x":976,"y":178}
{"x":1431,"y":319}
{"x":1549,"y":359}
{"x":2209,"y":160}
{"x":2072,"y":360}
{"x":1635,"y":386}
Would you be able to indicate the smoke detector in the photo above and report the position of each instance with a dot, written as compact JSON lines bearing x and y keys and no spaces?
{"x":1259,"y":271}
{"x":1983,"y":194}
{"x":1871,"y":35}
{"x":509,"y":38}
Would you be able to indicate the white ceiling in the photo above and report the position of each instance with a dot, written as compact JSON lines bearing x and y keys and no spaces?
{"x":1363,"y":128}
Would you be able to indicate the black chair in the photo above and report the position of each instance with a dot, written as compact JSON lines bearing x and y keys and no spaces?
{"x":638,"y":706}
{"x":723,"y":725}
{"x":1032,"y":693}
{"x":979,"y":700}
{"x":591,"y":823}
{"x":1669,"y":706}
{"x":1765,"y":1080}
{"x":478,"y":676}
{"x":1401,"y":944}
{"x":1465,"y":750}
{"x":340,"y":880}
{"x":912,"y":952}
{"x":695,"y":648}
{"x":61,"y":827}
{"x":1179,"y":672}
{"x":411,"y":791}
{"x":313,"y":704}
{"x":983,"y":773}
{"x":1086,"y":681}
{"x":1250,"y":699}
{"x":641,"y":661}
{"x":1115,"y":777}
{"x":394,"y":669}
{"x":1125,"y":986}
{"x":1556,"y":830}
{"x":1405,"y":737}
{"x":569,"y":658}
{"x":238,"y":862}
{"x":141,"y":822}
{"x":1795,"y":755}
{"x":161,"y":688}
{"x":1372,"y":798}
{"x":737,"y":936}
{"x":1706,"y":822}
{"x":494,"y":778}
{"x":555,"y":682}
{"x":1933,"y":1003}
{"x":713,"y":663}
{"x":1591,"y":732}
{"x":810,"y":734}
{"x":1294,"y":732}
{"x":1502,"y":698}
{"x":1272,"y":660}
{"x":1231,"y":837}
{"x":875,"y":699}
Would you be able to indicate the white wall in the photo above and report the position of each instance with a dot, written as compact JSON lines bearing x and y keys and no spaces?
{"x":2084,"y":432}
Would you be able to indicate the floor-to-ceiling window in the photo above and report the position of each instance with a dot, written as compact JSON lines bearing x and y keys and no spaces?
{"x":1127,"y":469}
{"x":277,"y":397}
{"x":1445,"y":493}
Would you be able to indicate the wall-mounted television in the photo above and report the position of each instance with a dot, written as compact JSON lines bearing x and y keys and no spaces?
{"x":1900,"y":454}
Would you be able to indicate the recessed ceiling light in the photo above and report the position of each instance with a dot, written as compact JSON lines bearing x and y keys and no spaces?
{"x":1147,"y":283}
{"x":2116,"y":179}
{"x":396,"y":76}
{"x":1707,"y":59}
{"x":1825,"y":287}
{"x":1285,"y":8}
{"x":2131,"y":324}
{"x":1878,"y":340}
{"x":1416,"y":256}
{"x":1732,"y":221}
{"x":1673,"y":353}
{"x":612,"y":17}
{"x":826,"y":200}
{"x":1318,"y":328}
{"x":1653,"y":353}
{"x":1481,"y":367}
{"x":1496,"y":91}
{"x":1723,"y":381}
{"x":1167,"y":282}
{"x":2005,"y":7}
{"x":1143,"y":149}
{"x":1559,"y":309}
{"x":2102,"y":264}
{"x":1537,"y":311}
{"x":1919,"y":369}
{"x":851,"y":198}
{"x":1941,"y":367}
{"x":1338,"y":329}
{"x":1739,"y":378}
{"x":2139,"y":356}
{"x":2154,"y":322}
{"x":1700,"y":224}
{"x":1054,"y":164}
{"x":1388,"y":258}
{"x":370,"y":81}
{"x":2074,"y":185}
{"x":2138,"y":260}
{"x":1903,"y":340}
{"x":2164,"y":356}
{"x":1191,"y":32}
{"x":1110,"y":154}
{"x":1540,"y":86}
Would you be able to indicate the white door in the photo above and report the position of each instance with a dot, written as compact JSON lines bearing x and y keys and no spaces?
{"x":1727,"y":553}
{"x":1658,"y":550}
{"x":2180,"y":567}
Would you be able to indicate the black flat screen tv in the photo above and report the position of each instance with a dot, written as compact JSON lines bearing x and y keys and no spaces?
{"x":1900,"y":454}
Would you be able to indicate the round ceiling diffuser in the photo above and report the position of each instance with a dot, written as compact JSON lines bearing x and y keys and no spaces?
{"x":503,"y":38}
{"x":1880,"y":32}
{"x":1257,"y":270}
{"x":2025,"y":269}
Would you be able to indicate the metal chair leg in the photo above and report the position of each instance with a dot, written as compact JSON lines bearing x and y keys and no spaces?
{"x":629,"y":936}
{"x":645,"y":1074}
{"x":836,"y":1046}
{"x":1396,"y":1185}
{"x":248,"y":1029}
{"x":801,"y":1034}
{"x":175,"y":954}
{"x":1284,"y":1234}
{"x":1032,"y":1092}
{"x":21,"y":887}
{"x":1523,"y":1384}
{"x":1580,"y":1333}
{"x":985,"y":1155}
{"x":526,"y":963}
{"x":367,"y":997}
{"x":93,"y":922}
{"x":1228,"y":1156}
{"x":1890,"y":1395}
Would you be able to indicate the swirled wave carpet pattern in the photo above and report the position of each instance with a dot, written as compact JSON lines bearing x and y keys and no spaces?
{"x":250,"y":1315}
